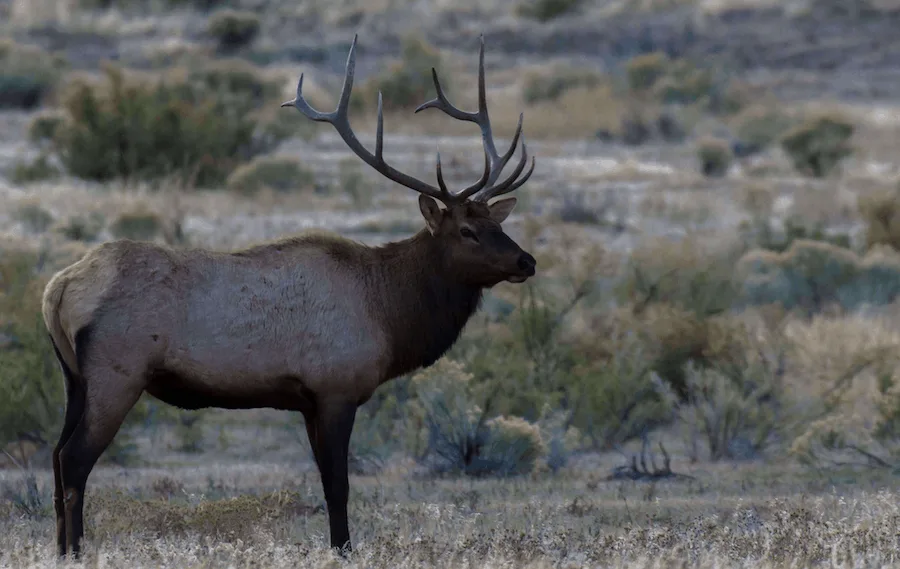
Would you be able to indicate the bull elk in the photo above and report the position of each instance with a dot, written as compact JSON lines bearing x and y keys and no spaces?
{"x":311,"y":323}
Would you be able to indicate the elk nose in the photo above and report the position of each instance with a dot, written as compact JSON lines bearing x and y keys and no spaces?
{"x":527,"y":262}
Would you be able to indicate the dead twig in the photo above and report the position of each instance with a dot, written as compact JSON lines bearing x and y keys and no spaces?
{"x":638,"y":469}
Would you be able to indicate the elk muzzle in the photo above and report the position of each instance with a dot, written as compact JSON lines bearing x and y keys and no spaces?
{"x":526,"y":264}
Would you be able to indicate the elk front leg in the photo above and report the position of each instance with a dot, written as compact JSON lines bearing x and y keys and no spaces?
{"x":333,"y":427}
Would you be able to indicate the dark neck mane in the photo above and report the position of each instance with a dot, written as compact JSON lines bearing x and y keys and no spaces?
{"x":422,"y":307}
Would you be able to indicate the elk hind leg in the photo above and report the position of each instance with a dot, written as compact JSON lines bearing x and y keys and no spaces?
{"x":108,"y":398}
{"x":75,"y":396}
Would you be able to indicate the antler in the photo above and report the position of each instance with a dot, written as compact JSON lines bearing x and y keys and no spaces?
{"x":493,"y":163}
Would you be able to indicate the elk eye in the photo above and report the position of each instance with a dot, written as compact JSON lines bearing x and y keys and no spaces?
{"x":468,"y":234}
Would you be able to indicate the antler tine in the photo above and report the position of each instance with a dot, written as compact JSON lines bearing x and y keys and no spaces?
{"x":510,"y":183}
{"x":495,"y":163}
{"x":447,"y":196}
{"x":339,"y":119}
{"x":500,"y":191}
{"x":481,"y":183}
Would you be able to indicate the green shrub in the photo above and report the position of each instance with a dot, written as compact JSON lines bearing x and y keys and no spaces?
{"x":643,"y":71}
{"x":83,"y":228}
{"x":730,"y":96}
{"x":546,"y":10}
{"x":37,"y":170}
{"x":881,"y":214}
{"x":459,"y":436}
{"x":138,"y":225}
{"x":684,"y":83}
{"x":277,"y":173}
{"x":34,"y":216}
{"x":793,"y":229}
{"x":276,"y":124}
{"x":233,"y":29}
{"x":689,"y":275}
{"x":813,"y":275}
{"x":407,"y":83}
{"x":454,"y":422}
{"x":234,"y":82}
{"x":670,"y":128}
{"x":715,"y":157}
{"x":28,"y":75}
{"x":45,"y":125}
{"x":612,"y":393}
{"x":561,"y":438}
{"x":189,"y":432}
{"x":818,"y":145}
{"x":31,"y":390}
{"x":199,"y":127}
{"x":635,"y":128}
{"x":550,"y":86}
{"x":757,"y":127}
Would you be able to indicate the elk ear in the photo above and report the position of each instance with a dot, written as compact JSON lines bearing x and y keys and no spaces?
{"x":431,"y":212}
{"x":501,"y":210}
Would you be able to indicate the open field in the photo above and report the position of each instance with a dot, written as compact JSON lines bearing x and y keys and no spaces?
{"x":255,"y":515}
{"x":715,"y":214}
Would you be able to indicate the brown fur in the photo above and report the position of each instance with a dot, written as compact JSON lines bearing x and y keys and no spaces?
{"x":313,"y":323}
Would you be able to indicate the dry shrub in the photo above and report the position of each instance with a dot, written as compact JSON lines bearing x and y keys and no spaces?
{"x":514,"y":445}
{"x":759,"y":126}
{"x":758,"y":200}
{"x":813,"y":275}
{"x":551,"y":84}
{"x":598,"y":109}
{"x":819,"y":144}
{"x":881,"y":213}
{"x":277,"y":173}
{"x":643,"y":71}
{"x":83,"y":227}
{"x":137,"y":225}
{"x":735,"y":400}
{"x":115,"y":514}
{"x":846,"y":371}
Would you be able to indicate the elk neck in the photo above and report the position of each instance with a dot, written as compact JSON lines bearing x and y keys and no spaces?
{"x":421,"y":304}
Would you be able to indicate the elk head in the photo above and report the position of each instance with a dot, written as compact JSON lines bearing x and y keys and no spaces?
{"x":467,"y":230}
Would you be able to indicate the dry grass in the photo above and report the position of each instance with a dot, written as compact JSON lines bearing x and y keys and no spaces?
{"x":753,"y":516}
